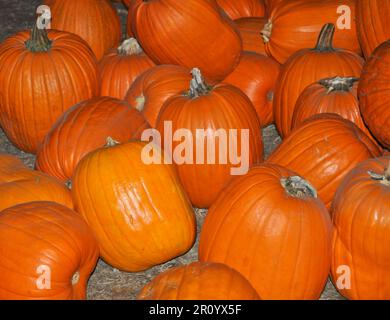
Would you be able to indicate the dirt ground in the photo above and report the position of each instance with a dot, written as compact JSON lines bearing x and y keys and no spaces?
{"x":107,"y":282}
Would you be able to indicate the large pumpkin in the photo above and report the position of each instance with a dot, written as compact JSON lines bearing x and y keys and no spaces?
{"x":155,"y":86}
{"x":138,"y":211}
{"x":256,"y":76}
{"x":374,"y":94}
{"x":322,"y":150}
{"x":241,"y":9}
{"x":361,"y":218}
{"x":307,"y":66}
{"x":199,"y":281}
{"x":41,"y":76}
{"x":249,"y":29}
{"x":294,"y":25}
{"x":120,"y":67}
{"x":12,"y":168}
{"x":191,"y":33}
{"x":270,"y":226}
{"x":210,"y":117}
{"x":84,"y":128}
{"x":97,"y":22}
{"x":270,"y":5}
{"x":47,"y":252}
{"x":372,"y":23}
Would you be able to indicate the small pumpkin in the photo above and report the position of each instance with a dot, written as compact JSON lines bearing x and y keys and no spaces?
{"x":120,"y":67}
{"x":270,"y":226}
{"x":361,"y":219}
{"x":241,"y":9}
{"x":51,"y":255}
{"x":199,"y":281}
{"x":249,"y":29}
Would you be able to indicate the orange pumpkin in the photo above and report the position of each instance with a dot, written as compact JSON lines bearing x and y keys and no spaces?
{"x":51,"y":255}
{"x":12,"y":168}
{"x":193,"y":33}
{"x":139,"y":212}
{"x":256,"y":76}
{"x":270,"y":5}
{"x":155,"y":86}
{"x":270,"y":226}
{"x":249,"y":29}
{"x":294,"y":25}
{"x":199,"y":281}
{"x":322,"y":150}
{"x":361,"y":218}
{"x":215,"y":111}
{"x":119,"y":68}
{"x":41,"y":76}
{"x":307,"y":66}
{"x":97,"y":22}
{"x":84,"y":128}
{"x":241,"y":9}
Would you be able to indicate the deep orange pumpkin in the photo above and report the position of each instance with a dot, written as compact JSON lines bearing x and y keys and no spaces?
{"x":307,"y":66}
{"x":139,"y":212}
{"x":155,"y":86}
{"x":361,"y":218}
{"x":12,"y":168}
{"x":256,"y":76}
{"x":97,"y":22}
{"x":270,"y":5}
{"x":294,"y":25}
{"x":199,"y":281}
{"x":322,"y":150}
{"x":242,"y":9}
{"x":41,"y":76}
{"x":191,"y":33}
{"x":212,"y":109}
{"x":249,"y":29}
{"x":51,"y":255}
{"x":84,"y":128}
{"x":270,"y":226}
{"x":119,"y":68}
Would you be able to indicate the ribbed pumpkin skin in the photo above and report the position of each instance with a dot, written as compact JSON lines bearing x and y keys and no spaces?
{"x":374,"y":94}
{"x":322,"y":150}
{"x":193,"y":33}
{"x":296,"y":24}
{"x":38,"y":87}
{"x":12,"y":168}
{"x":249,"y":29}
{"x":256,"y":76}
{"x":139,"y":213}
{"x":372,"y":24}
{"x":97,"y":22}
{"x":224,"y":107}
{"x":155,"y":86}
{"x":45,"y":234}
{"x":199,"y":281}
{"x":84,"y":128}
{"x":270,"y":4}
{"x":280,"y":243}
{"x":242,"y":9}
{"x":361,"y":219}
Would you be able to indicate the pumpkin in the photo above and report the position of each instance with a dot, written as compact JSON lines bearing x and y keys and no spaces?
{"x":249,"y":29}
{"x":155,"y":86}
{"x":119,"y":68}
{"x":374,"y":94}
{"x":193,"y":33}
{"x":371,"y":22}
{"x":210,"y":114}
{"x":51,"y":255}
{"x":307,"y":66}
{"x":84,"y":128}
{"x":361,"y":218}
{"x":270,"y":4}
{"x":270,"y":226}
{"x":42,"y":74}
{"x":199,"y":281}
{"x":296,"y":24}
{"x":138,"y":211}
{"x":12,"y":168}
{"x":97,"y":22}
{"x":256,"y":76}
{"x":322,"y":150}
{"x":241,"y":9}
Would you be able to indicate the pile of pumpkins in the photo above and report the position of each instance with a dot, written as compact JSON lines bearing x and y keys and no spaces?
{"x":81,"y":101}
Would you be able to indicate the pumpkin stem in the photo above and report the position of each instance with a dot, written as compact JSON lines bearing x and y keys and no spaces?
{"x":338,"y":83}
{"x":325,"y":39}
{"x":198,"y":86}
{"x":75,"y":278}
{"x":267,"y":31}
{"x":383,"y":178}
{"x":129,"y":47}
{"x":110,"y":142}
{"x":140,"y":102}
{"x":298,"y":187}
{"x":39,"y":40}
